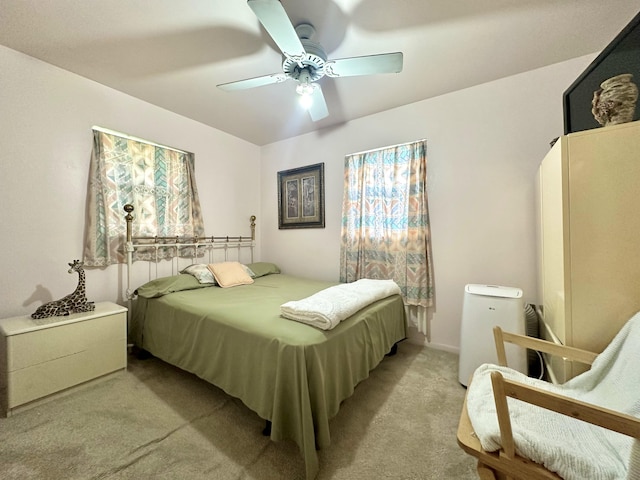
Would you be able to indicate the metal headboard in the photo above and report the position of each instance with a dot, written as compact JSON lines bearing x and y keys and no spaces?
{"x":196,"y":247}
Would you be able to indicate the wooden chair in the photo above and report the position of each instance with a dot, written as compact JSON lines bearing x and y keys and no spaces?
{"x":505,"y":463}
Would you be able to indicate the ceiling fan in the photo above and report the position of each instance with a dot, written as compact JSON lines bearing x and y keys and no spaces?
{"x":305,"y":60}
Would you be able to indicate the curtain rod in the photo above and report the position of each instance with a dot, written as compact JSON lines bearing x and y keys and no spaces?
{"x":136,"y":139}
{"x":389,"y":146}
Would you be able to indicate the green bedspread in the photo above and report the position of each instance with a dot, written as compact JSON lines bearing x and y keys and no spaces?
{"x":292,"y":374}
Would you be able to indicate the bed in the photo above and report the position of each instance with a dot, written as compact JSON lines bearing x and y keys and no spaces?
{"x":291,"y":374}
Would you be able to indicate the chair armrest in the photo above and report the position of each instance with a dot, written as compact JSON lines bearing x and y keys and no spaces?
{"x":545,"y":346}
{"x":596,"y":415}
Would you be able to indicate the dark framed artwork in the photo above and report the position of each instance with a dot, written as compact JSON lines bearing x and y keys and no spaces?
{"x":619,"y":57}
{"x":301,"y":197}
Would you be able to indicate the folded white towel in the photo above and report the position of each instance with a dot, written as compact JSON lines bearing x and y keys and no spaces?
{"x":330,"y":306}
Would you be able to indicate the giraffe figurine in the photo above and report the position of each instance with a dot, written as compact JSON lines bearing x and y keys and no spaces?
{"x":73,"y":303}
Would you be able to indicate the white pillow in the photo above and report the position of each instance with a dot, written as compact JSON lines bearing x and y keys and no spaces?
{"x":201,"y":272}
{"x":230,"y":274}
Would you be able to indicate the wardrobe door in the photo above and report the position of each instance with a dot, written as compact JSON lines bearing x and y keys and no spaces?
{"x":604,"y":232}
{"x":554,"y":256}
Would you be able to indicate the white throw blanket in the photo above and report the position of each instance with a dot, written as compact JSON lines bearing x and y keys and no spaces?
{"x":330,"y":306}
{"x":574,"y":449}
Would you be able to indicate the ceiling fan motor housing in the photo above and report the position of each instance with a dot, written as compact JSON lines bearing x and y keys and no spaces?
{"x":312,"y":61}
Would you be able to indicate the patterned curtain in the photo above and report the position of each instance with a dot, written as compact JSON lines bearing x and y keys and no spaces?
{"x":159,"y":182}
{"x":385,"y":220}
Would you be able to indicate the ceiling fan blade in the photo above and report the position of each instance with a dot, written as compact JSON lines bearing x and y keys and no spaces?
{"x":275,"y":21}
{"x":318,"y":109}
{"x":253,"y":82}
{"x":367,"y":65}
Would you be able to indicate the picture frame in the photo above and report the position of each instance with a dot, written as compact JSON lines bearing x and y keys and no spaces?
{"x":301,"y":197}
{"x":620,"y":56}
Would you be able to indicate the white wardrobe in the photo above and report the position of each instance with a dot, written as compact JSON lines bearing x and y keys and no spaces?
{"x":589,"y":243}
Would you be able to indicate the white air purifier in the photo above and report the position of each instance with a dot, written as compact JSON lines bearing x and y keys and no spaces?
{"x":484,"y":307}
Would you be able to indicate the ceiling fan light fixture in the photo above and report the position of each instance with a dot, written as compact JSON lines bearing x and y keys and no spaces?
{"x":306,"y":101}
{"x":305,"y":89}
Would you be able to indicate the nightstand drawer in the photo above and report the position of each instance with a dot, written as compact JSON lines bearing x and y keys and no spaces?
{"x":40,"y":380}
{"x":34,"y":348}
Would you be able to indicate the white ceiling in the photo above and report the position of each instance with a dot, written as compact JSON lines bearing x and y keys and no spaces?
{"x":174,"y":53}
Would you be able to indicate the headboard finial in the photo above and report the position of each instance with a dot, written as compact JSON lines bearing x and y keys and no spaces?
{"x":129,"y":218}
{"x":253,"y":226}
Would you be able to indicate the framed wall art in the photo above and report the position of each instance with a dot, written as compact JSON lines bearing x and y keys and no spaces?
{"x":301,"y":197}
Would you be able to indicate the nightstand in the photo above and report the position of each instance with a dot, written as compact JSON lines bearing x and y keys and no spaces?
{"x":39,"y":357}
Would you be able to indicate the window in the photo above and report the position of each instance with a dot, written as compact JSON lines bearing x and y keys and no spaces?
{"x":158,"y":181}
{"x":385,"y":220}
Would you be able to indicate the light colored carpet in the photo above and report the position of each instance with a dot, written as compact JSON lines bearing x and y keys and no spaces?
{"x":155,"y":421}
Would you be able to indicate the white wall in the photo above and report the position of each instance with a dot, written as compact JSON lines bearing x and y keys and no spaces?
{"x":46,"y":115}
{"x":484,"y":147}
